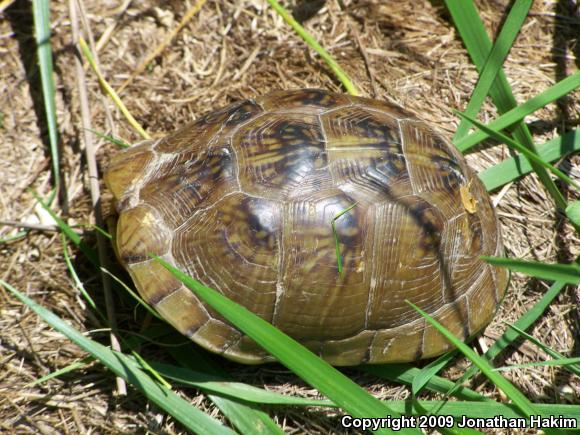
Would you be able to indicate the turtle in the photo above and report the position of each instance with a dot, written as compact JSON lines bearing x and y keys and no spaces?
{"x":264,"y":201}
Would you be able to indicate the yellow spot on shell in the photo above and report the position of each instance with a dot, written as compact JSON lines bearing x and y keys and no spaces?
{"x":467,"y":199}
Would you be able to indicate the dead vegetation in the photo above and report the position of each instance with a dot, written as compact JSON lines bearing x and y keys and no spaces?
{"x":230,"y":50}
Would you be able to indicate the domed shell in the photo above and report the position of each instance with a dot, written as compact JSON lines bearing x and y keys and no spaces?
{"x":243,"y":200}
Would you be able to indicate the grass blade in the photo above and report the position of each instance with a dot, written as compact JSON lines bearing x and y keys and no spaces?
{"x":42,"y":34}
{"x":125,"y":367}
{"x":247,"y":418}
{"x":309,"y":39}
{"x":530,"y":155}
{"x":406,"y":374}
{"x":70,"y":368}
{"x":497,"y":56}
{"x":110,"y":91}
{"x":68,"y":231}
{"x":430,"y":370}
{"x":573,"y":368}
{"x":516,"y":166}
{"x":478,"y":44}
{"x":111,"y":139}
{"x":238,"y":390}
{"x":318,"y":373}
{"x":502,"y":383}
{"x":517,"y":114}
{"x":509,"y":336}
{"x":558,"y":362}
{"x":573,"y":213}
{"x":567,"y":273}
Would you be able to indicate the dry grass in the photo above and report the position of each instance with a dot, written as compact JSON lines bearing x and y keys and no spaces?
{"x":228,"y":51}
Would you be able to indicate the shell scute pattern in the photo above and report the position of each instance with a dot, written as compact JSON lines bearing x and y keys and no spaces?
{"x":277,"y":152}
{"x":243,"y":199}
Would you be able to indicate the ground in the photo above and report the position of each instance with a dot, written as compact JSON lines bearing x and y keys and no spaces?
{"x":231,"y":50}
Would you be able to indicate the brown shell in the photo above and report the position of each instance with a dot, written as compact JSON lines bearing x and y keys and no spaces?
{"x":243,"y":199}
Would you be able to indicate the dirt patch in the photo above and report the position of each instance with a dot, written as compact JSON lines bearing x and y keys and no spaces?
{"x":228,"y":51}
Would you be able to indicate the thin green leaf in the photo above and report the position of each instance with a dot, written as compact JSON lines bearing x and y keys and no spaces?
{"x":478,"y":44}
{"x":514,"y":167}
{"x":110,"y":91}
{"x":573,"y":368}
{"x":492,"y":66}
{"x":76,"y":279}
{"x":247,"y":418}
{"x":430,"y":370}
{"x":100,"y":230}
{"x":568,"y":273}
{"x":216,"y":384}
{"x":502,"y":383}
{"x":530,"y":155}
{"x":517,"y":114}
{"x":135,"y":296}
{"x":318,"y":373}
{"x":309,"y":39}
{"x":68,"y":369}
{"x":16,"y":236}
{"x":559,"y":362}
{"x":70,"y":233}
{"x":109,"y":138}
{"x":406,"y":374}
{"x":573,"y":212}
{"x":42,"y":33}
{"x":147,"y":367}
{"x":125,"y":367}
{"x":509,"y":336}
{"x":335,"y":233}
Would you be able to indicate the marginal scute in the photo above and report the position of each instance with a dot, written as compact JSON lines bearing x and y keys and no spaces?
{"x":140,"y":234}
{"x":183,"y":310}
{"x":349,"y":351}
{"x":244,"y":200}
{"x":216,"y":335}
{"x":153,"y":280}
{"x":247,"y":351}
{"x":481,"y":299}
{"x":400,"y":344}
{"x":127,"y":169}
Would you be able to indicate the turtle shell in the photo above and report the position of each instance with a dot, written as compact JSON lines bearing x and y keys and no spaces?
{"x":244,"y":200}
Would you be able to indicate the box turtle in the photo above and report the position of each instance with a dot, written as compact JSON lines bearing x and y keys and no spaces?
{"x":244,"y":199}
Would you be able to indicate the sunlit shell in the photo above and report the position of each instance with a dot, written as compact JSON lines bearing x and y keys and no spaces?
{"x":243,"y":200}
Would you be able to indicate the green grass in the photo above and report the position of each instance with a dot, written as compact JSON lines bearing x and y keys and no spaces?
{"x":479,"y":47}
{"x":44,"y":52}
{"x":336,"y":238}
{"x":241,"y":404}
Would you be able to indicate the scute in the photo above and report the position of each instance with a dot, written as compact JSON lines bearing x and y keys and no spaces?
{"x":243,"y":200}
{"x":233,"y":243}
{"x":276,"y":153}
